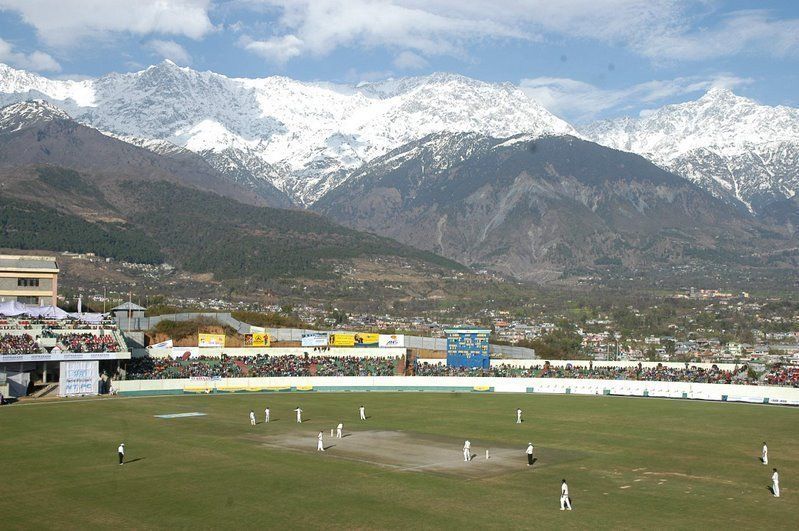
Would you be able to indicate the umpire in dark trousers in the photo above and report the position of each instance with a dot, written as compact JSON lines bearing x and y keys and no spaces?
{"x":121,"y":452}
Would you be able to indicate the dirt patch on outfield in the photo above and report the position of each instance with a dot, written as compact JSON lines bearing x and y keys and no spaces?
{"x":413,"y":453}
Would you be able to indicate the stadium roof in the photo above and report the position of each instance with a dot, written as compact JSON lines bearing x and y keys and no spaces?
{"x":11,"y":262}
{"x":128,"y":306}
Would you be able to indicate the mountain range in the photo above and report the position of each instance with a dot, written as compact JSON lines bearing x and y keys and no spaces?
{"x":67,"y":187}
{"x":473,"y":171}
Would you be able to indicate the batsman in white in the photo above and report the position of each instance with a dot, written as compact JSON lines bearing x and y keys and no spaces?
{"x":775,"y":483}
{"x":764,"y":457}
{"x":565,"y":503}
{"x":338,"y":430}
{"x":362,"y":412}
{"x":299,"y":415}
{"x":518,"y":416}
{"x":266,"y":415}
{"x":320,"y":444}
{"x":252,"y":418}
{"x":467,"y":451}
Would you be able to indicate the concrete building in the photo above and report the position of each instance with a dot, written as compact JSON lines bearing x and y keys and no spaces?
{"x":29,"y":279}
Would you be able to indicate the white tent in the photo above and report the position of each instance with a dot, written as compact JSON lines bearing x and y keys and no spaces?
{"x":13,"y":308}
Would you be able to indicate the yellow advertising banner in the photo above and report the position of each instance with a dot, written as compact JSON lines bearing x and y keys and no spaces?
{"x":211,"y":340}
{"x":341,"y":340}
{"x":260,"y":339}
{"x":367,"y":340}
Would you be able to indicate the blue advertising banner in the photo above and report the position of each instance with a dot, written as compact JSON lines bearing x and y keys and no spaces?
{"x":468,"y":348}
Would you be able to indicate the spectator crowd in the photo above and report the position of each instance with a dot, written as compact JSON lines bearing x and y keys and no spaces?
{"x":18,"y":344}
{"x":260,"y":365}
{"x":87,"y":342}
{"x":660,"y":373}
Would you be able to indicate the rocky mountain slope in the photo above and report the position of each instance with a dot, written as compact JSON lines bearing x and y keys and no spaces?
{"x":534,"y":208}
{"x":741,"y":151}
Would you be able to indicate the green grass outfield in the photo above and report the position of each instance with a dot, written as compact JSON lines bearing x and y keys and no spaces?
{"x":59,"y":464}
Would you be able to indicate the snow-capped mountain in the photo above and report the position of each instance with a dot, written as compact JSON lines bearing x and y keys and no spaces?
{"x":19,"y":115}
{"x":305,"y":138}
{"x":739,"y":150}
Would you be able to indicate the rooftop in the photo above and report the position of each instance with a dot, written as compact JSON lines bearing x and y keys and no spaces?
{"x":13,"y":262}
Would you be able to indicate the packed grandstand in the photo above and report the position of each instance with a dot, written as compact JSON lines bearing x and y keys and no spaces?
{"x":53,"y":337}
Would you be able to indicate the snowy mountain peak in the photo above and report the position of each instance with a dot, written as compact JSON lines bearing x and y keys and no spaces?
{"x":26,"y":113}
{"x":735,"y":147}
{"x":309,"y":135}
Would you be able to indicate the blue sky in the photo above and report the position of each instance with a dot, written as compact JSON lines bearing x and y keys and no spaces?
{"x":582,"y":59}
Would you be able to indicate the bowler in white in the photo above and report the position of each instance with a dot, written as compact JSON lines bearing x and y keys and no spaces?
{"x":320,"y":445}
{"x":299,"y":415}
{"x":467,"y":451}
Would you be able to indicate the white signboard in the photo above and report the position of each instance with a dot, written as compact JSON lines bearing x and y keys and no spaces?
{"x":65,"y":356}
{"x":314,"y":340}
{"x":180,"y":352}
{"x":163,"y":344}
{"x":79,"y":378}
{"x":391,"y":340}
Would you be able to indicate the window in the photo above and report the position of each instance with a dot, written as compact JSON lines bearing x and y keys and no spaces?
{"x":28,"y":282}
{"x":28,"y":300}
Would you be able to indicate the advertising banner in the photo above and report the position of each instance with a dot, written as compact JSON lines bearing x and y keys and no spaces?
{"x":79,"y":378}
{"x":163,"y":344}
{"x":391,"y":340}
{"x":341,"y":339}
{"x":318,"y":339}
{"x":256,"y":339}
{"x":211,"y":340}
{"x":367,"y":340}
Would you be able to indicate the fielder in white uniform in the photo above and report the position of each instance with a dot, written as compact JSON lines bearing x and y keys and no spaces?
{"x":775,"y":483}
{"x":764,"y":458}
{"x":266,"y":415}
{"x":467,"y":451}
{"x":320,"y":445}
{"x":252,"y":418}
{"x":518,"y":416}
{"x":362,"y":412}
{"x":338,"y":430}
{"x":564,"y":496}
{"x":299,"y":415}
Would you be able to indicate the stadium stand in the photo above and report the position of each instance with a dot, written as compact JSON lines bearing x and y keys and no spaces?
{"x":19,"y":344}
{"x":659,"y":374}
{"x":259,"y":365}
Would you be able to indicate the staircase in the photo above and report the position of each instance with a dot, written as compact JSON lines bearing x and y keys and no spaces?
{"x":45,"y":390}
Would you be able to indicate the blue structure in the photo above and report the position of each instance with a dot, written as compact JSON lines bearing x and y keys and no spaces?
{"x":468,"y":347}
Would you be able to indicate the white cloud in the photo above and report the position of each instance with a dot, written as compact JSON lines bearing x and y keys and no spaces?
{"x":67,"y":22}
{"x":317,"y":27}
{"x":662,"y":30}
{"x":580,"y":101}
{"x":278,"y":49}
{"x":410,"y":61}
{"x":749,"y":31}
{"x":36,"y":61}
{"x":169,"y":50}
